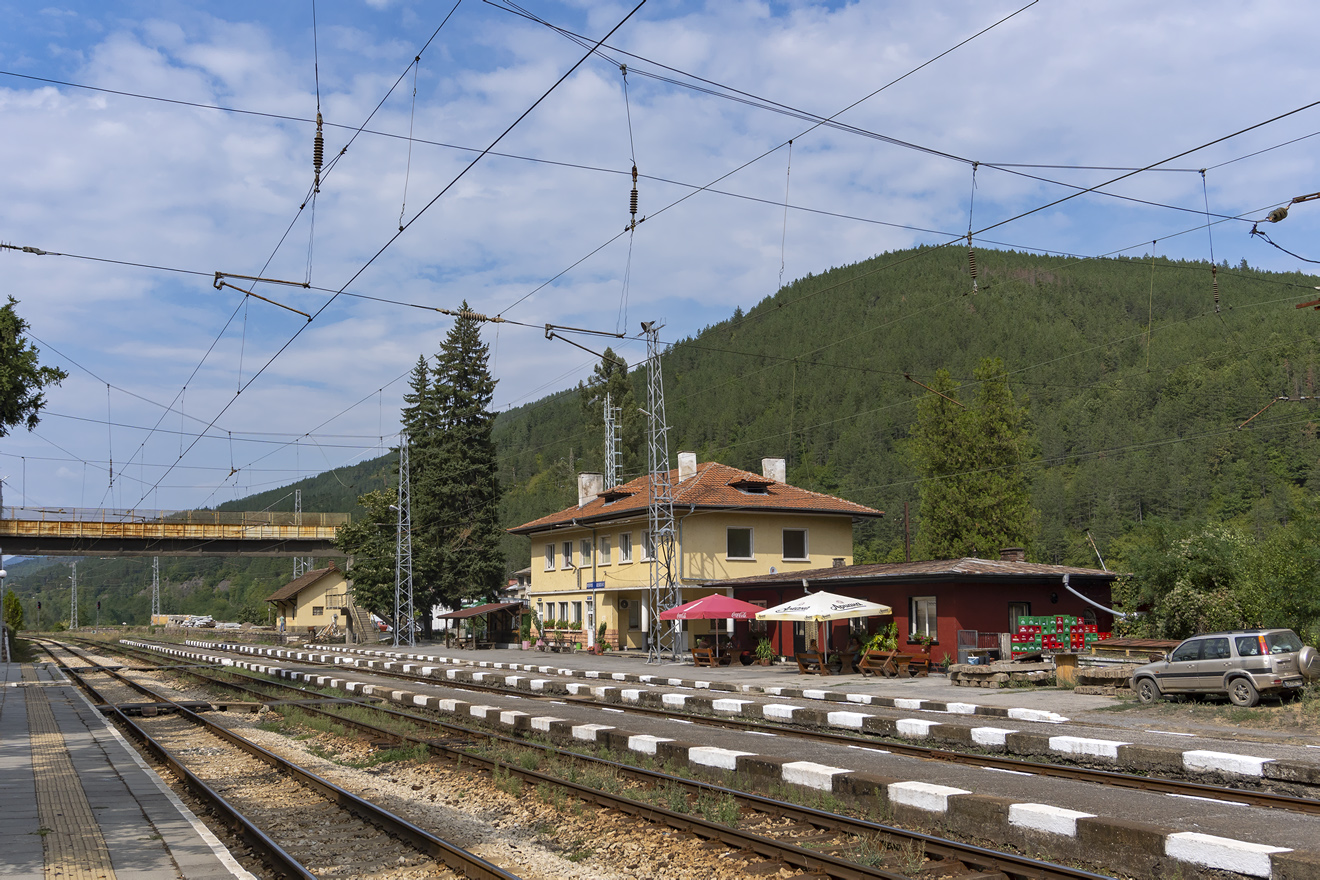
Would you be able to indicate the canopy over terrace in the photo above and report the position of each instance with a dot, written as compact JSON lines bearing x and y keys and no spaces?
{"x":502,"y":627}
{"x":822,"y":606}
{"x":714,"y":607}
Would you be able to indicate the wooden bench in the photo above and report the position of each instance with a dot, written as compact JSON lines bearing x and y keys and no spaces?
{"x":704,"y":657}
{"x":811,"y":663}
{"x":891,"y":664}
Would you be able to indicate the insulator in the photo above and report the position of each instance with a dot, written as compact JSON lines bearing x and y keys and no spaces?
{"x":632,"y":202}
{"x":1214,"y":284}
{"x":318,"y":152}
{"x":971,"y":261}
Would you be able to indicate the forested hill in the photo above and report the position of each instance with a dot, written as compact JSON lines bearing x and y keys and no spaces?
{"x":1128,"y":426}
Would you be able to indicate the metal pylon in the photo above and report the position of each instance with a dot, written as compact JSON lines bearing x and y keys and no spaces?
{"x":613,"y":444}
{"x":661,"y":533}
{"x":73,"y":599}
{"x":155,"y":586}
{"x":301,"y":564}
{"x":403,"y":583}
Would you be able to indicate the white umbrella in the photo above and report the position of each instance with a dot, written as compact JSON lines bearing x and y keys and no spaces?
{"x":819,"y":607}
{"x":824,"y":606}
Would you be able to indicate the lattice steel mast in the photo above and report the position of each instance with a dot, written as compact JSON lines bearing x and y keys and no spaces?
{"x":613,"y":443}
{"x":73,"y":599}
{"x":661,"y":533}
{"x":155,"y":587}
{"x":300,"y":565}
{"x":403,"y":581}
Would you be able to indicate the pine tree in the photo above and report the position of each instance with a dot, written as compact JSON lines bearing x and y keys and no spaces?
{"x":455,"y":484}
{"x":975,"y":498}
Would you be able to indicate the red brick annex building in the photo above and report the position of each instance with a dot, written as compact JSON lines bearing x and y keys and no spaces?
{"x":961,"y":603}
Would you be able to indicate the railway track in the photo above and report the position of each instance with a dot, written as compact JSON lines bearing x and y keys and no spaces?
{"x":300,"y":824}
{"x":1257,"y":797}
{"x":775,"y":831}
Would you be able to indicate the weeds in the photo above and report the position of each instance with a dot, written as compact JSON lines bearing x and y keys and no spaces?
{"x":718,"y":808}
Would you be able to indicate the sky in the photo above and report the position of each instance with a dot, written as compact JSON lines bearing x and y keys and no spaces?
{"x":148,"y":145}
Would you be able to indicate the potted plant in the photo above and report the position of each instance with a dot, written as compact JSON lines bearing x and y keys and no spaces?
{"x":884,"y":640}
{"x":765,"y":652}
{"x":525,"y":631}
{"x":601,"y":646}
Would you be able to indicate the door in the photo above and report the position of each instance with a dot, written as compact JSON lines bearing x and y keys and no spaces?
{"x":967,"y":639}
{"x":1216,"y":660}
{"x":1182,"y":668}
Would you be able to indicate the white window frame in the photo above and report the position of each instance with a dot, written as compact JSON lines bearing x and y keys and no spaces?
{"x":577,"y":612}
{"x":925,"y":607}
{"x":603,"y":552}
{"x":625,"y":548}
{"x":751,"y":542}
{"x":585,"y":551}
{"x":648,"y":547}
{"x":563,"y":612}
{"x":567,"y":548}
{"x":806,"y":548}
{"x":549,"y":555}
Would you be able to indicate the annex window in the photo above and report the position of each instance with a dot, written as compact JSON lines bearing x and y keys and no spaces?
{"x":550,"y":556}
{"x":568,"y":554}
{"x":738,"y":544}
{"x":795,"y":543}
{"x":634,"y":613}
{"x":921,"y":616}
{"x":587,"y":550}
{"x":318,"y":610}
{"x":648,"y":545}
{"x":1017,"y":611}
{"x":604,"y":550}
{"x":625,"y":547}
{"x":577,"y":613}
{"x":563,"y":612}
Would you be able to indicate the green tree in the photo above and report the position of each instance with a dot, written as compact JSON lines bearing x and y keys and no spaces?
{"x":454,"y":478}
{"x":13,"y":611}
{"x":22,"y":379}
{"x":370,"y":539}
{"x":610,"y":377}
{"x":975,"y":498}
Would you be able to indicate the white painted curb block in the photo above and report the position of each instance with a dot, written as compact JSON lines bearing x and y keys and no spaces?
{"x":923,"y":795}
{"x":1224,"y":762}
{"x":711,"y":756}
{"x":1226,"y":854}
{"x":991,"y":736}
{"x":812,"y":775}
{"x":1043,"y":817}
{"x":1081,"y":745}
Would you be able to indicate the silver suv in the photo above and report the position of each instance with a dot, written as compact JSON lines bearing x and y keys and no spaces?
{"x":1242,"y":664}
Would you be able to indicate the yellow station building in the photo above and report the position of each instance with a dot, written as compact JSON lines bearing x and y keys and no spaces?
{"x":591,"y":563}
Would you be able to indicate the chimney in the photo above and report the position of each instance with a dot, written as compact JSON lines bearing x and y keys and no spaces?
{"x":1012,"y":554}
{"x":687,"y":465}
{"x":774,"y":469}
{"x":589,"y":486}
{"x":838,"y":562}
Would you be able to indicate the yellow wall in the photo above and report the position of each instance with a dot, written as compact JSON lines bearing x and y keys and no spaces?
{"x":298,"y":615}
{"x":702,"y":557}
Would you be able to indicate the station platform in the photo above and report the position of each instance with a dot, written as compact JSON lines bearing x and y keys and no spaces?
{"x":78,"y":803}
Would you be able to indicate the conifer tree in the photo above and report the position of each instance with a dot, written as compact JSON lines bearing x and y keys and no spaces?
{"x":455,"y":483}
{"x":975,"y":498}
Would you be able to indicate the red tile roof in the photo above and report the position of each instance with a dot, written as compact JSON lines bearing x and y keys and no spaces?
{"x":713,"y":487}
{"x":948,"y":569}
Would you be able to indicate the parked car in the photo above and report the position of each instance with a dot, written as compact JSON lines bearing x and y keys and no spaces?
{"x":1244,"y":665}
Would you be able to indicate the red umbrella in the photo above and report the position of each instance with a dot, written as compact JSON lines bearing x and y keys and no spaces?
{"x":714,"y":607}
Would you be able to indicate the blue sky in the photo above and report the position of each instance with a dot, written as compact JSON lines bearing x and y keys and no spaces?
{"x":157,"y":355}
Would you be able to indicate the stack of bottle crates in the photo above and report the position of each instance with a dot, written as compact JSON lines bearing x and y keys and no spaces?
{"x":1061,"y":632}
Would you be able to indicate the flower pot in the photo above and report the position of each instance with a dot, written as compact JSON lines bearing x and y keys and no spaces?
{"x":526,"y":644}
{"x":764,"y":661}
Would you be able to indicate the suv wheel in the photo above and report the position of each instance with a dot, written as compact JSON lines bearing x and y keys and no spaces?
{"x":1243,"y":693}
{"x":1148,"y":691}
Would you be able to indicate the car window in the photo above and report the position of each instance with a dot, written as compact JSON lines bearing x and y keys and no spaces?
{"x":1248,"y":646}
{"x":1216,"y":649}
{"x":1188,"y":650}
{"x":1282,"y":642}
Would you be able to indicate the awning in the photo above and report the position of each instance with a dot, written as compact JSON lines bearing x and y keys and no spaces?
{"x":479,"y":609}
